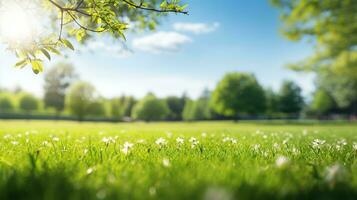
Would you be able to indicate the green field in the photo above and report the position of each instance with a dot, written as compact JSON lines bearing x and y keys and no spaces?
{"x":206,"y":160}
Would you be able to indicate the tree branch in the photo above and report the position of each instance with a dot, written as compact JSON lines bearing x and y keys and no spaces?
{"x":153,"y":9}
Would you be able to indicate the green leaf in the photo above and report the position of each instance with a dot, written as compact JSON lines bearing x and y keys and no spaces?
{"x":37,"y":66}
{"x":53,"y":50}
{"x":67,"y":44}
{"x":45,"y":52}
{"x":21,"y":63}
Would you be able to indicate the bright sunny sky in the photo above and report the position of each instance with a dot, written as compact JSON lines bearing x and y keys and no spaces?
{"x":186,"y":54}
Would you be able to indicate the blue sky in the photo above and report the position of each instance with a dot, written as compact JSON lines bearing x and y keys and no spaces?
{"x":186,"y":53}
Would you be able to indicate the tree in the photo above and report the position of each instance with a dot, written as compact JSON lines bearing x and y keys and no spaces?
{"x":330,"y":26}
{"x":97,"y":108}
{"x":81,"y":96}
{"x":122,"y":107}
{"x":79,"y":19}
{"x":290,"y":99}
{"x":238,"y":93}
{"x":197,"y":110}
{"x":28,"y":102}
{"x":272,"y":102}
{"x":322,"y":103}
{"x":57,"y":80}
{"x":176,"y":106}
{"x":6,"y":103}
{"x":150,"y":108}
{"x":342,"y":90}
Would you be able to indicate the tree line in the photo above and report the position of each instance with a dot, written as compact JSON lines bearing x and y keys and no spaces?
{"x":236,"y":96}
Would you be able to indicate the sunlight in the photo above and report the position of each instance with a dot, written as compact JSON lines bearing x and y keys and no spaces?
{"x":17,"y":25}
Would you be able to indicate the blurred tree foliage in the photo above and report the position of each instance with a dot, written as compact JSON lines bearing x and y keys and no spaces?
{"x":150,"y":108}
{"x":81,"y":19}
{"x":290,"y":99}
{"x":176,"y":106}
{"x":322,"y":102}
{"x":238,"y":94}
{"x":57,"y":80}
{"x":331,"y":26}
{"x":272,"y":102}
{"x":6,"y":102}
{"x":80,"y":99}
{"x":28,"y":102}
{"x":199,"y":109}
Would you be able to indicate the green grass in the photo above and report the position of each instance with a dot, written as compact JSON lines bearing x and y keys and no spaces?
{"x":65,"y":160}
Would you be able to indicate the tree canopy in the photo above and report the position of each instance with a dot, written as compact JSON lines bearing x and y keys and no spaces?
{"x":238,"y":93}
{"x":331,"y":26}
{"x":80,"y":98}
{"x":150,"y":108}
{"x":65,"y":20}
{"x":290,"y":99}
{"x":57,"y":80}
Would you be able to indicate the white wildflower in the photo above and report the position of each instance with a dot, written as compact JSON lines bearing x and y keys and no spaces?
{"x":55,"y":139}
{"x":90,"y":170}
{"x":204,"y":134}
{"x":335,"y":173}
{"x":45,"y":143}
{"x":161,"y":142}
{"x":193,"y":142}
{"x":166,"y":162}
{"x":180,"y":140}
{"x":295,"y":151}
{"x":231,"y":140}
{"x":108,"y":140}
{"x":127,"y":146}
{"x":317,"y":144}
{"x":342,"y":142}
{"x":256,"y":147}
{"x":281,"y":161}
{"x":14,"y":142}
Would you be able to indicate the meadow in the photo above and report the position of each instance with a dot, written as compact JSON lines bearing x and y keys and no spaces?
{"x":200,"y":160}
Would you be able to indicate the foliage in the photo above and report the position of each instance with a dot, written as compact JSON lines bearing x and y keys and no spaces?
{"x":176,"y":106}
{"x":6,"y":102}
{"x":150,"y":108}
{"x":80,"y":98}
{"x":331,"y":26}
{"x":290,"y":99}
{"x":97,"y":108}
{"x":322,"y":102}
{"x":199,"y":109}
{"x":57,"y":80}
{"x":28,"y":102}
{"x":66,"y":160}
{"x":82,"y":19}
{"x":342,"y":89}
{"x":272,"y":102}
{"x":238,"y":93}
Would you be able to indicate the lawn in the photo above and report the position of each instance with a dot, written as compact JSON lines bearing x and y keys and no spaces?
{"x":205,"y":160}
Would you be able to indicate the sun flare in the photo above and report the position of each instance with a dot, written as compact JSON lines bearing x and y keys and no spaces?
{"x":17,"y":25}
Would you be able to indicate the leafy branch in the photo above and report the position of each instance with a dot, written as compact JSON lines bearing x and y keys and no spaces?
{"x":81,"y":17}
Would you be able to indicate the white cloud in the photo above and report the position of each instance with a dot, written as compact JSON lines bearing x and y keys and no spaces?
{"x":116,"y":50}
{"x":161,"y":42}
{"x":196,"y":28}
